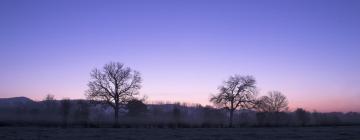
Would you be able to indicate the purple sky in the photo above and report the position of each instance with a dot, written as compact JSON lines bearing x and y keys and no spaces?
{"x":308,"y":49}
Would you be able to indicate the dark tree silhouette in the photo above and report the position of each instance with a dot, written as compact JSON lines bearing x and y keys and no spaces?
{"x":65,"y":105}
{"x":136,"y":108}
{"x":176,"y":113}
{"x":114,"y":85}
{"x":212,"y":116}
{"x":238,"y":92}
{"x":49,"y":102}
{"x":82,"y":112}
{"x":302,"y":116}
{"x":49,"y":97}
{"x":274,"y":102}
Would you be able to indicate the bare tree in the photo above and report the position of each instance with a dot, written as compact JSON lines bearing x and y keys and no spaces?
{"x":49,"y":97}
{"x":274,"y":102}
{"x":114,"y":85}
{"x":49,"y":101}
{"x":238,"y":92}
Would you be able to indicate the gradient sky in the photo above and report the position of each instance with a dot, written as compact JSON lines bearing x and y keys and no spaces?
{"x":184,"y":49}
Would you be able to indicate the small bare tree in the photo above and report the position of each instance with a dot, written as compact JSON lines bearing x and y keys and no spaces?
{"x":114,"y":85}
{"x":238,"y":92}
{"x":49,"y":102}
{"x":274,"y":102}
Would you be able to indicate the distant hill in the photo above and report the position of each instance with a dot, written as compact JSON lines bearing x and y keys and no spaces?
{"x":14,"y":101}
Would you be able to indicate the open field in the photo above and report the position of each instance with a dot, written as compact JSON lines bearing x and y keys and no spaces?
{"x":284,"y":133}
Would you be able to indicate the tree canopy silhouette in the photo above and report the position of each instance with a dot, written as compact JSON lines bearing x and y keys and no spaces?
{"x":136,"y":108}
{"x":274,"y":102}
{"x":302,"y":116}
{"x":114,"y":85}
{"x":238,"y":92}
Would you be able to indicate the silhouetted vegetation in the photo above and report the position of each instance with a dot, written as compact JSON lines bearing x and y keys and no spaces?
{"x":65,"y":106}
{"x":302,"y":116}
{"x":114,"y":85}
{"x":274,"y":102}
{"x":80,"y":113}
{"x":136,"y":108}
{"x":238,"y":92}
{"x":111,"y":101}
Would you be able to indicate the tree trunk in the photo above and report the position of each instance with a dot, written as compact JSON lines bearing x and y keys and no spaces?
{"x":231,"y":118}
{"x":116,"y":119}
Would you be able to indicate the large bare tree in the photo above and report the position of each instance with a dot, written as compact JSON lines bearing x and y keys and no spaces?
{"x":274,"y":102}
{"x":238,"y":92}
{"x":114,"y":85}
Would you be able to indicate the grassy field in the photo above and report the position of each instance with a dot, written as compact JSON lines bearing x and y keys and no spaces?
{"x":307,"y":133}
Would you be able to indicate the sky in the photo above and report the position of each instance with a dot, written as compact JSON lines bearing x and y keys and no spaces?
{"x":184,"y":49}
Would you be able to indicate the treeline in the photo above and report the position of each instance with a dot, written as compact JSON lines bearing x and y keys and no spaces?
{"x":84,"y":113}
{"x":112,"y":100}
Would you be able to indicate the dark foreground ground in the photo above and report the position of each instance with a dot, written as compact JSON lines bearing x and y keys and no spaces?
{"x":307,"y":133}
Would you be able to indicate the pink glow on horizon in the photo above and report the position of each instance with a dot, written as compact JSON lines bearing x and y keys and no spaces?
{"x":184,"y":50}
